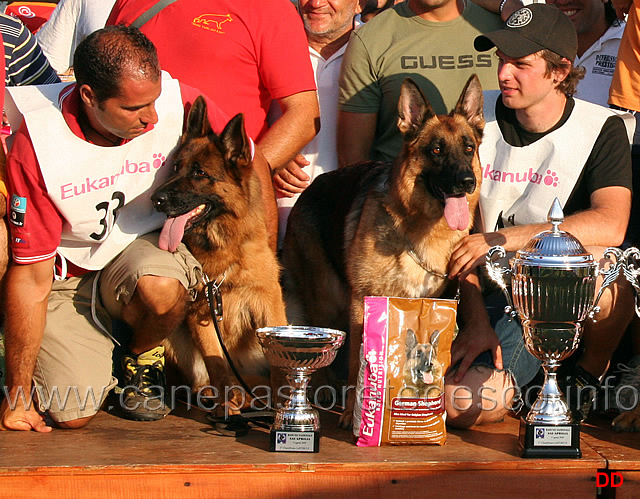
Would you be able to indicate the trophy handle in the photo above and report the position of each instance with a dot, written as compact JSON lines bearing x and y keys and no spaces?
{"x":496,"y":272}
{"x":631,"y":272}
{"x":610,"y":273}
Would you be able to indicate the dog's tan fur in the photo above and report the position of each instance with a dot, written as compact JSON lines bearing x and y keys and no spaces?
{"x":231,"y":244}
{"x":627,"y":420}
{"x":350,"y":233}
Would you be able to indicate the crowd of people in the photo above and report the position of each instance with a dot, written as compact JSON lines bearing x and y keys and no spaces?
{"x":318,"y":82}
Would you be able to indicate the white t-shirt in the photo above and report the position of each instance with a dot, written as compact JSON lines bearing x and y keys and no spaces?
{"x":321,"y":152}
{"x":70,"y":23}
{"x":599,"y":61}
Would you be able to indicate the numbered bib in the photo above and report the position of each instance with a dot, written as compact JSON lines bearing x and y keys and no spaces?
{"x":103,"y":193}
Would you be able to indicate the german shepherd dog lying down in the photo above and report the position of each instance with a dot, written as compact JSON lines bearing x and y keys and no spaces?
{"x":385,"y":229}
{"x":214,"y":206}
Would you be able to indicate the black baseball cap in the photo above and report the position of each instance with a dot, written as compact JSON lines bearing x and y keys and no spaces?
{"x":530,"y":29}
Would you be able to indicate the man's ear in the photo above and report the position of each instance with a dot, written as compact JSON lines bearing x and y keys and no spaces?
{"x":360,"y":5}
{"x":87,"y":95}
{"x":561,"y":73}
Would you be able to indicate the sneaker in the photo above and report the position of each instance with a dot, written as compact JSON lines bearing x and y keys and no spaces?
{"x":580,"y":390}
{"x":143,"y":397}
{"x":626,"y":394}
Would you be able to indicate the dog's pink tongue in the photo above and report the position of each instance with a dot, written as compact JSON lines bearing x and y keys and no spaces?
{"x":456,"y":212}
{"x":172,"y":232}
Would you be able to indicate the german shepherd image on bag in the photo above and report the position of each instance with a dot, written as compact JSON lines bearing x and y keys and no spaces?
{"x":214,"y":206}
{"x":375,"y":229}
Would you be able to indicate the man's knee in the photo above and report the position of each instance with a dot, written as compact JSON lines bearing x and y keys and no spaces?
{"x":159,"y":295}
{"x":74,"y":424}
{"x":483,"y":396}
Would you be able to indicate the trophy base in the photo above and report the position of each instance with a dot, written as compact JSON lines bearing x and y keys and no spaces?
{"x":294,"y":441}
{"x":549,"y":441}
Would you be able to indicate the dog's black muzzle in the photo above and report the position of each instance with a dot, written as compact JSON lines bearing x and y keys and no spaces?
{"x":465,"y":181}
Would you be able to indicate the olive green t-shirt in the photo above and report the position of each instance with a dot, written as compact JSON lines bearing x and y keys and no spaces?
{"x":438,"y":56}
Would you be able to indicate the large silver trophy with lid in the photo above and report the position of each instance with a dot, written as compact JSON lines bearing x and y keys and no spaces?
{"x":553,"y":284}
{"x":299,"y":351}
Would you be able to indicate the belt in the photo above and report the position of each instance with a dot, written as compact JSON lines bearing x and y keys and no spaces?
{"x":631,"y":111}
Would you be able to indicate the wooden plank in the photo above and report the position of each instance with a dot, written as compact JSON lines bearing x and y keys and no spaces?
{"x":622,"y":450}
{"x":345,"y":485}
{"x":629,"y":485}
{"x":181,"y":456}
{"x":186,"y":439}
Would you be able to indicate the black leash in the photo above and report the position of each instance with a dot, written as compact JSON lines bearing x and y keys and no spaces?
{"x":235,"y":425}
{"x":214,"y":298}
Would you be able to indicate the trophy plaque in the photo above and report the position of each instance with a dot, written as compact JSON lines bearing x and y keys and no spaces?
{"x":553,"y":284}
{"x":298,"y":351}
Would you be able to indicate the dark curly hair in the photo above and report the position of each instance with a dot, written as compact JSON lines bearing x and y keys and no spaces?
{"x":109,"y":54}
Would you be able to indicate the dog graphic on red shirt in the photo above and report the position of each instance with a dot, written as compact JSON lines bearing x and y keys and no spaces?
{"x":215,"y":21}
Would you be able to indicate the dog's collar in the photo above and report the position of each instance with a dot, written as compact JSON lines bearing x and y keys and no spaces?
{"x":213,"y":294}
{"x":420,"y":263}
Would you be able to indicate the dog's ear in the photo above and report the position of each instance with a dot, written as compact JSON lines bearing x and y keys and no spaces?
{"x":411,"y":341}
{"x":413,"y":109}
{"x":197,"y":122}
{"x":470,"y":104}
{"x":433,"y":339}
{"x":236,"y":144}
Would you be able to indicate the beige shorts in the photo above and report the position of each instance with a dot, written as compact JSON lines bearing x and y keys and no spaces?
{"x":73,"y":373}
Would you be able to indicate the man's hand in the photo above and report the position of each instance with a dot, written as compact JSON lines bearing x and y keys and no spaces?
{"x":622,"y":7}
{"x":472,"y":251}
{"x":291,"y":179}
{"x":21,"y":418}
{"x":474,"y":339}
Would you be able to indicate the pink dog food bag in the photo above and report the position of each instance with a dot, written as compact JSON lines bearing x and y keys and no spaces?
{"x":405,"y":353}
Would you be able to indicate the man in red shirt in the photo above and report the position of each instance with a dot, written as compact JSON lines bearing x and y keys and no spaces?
{"x":243,"y":55}
{"x":82,"y":202}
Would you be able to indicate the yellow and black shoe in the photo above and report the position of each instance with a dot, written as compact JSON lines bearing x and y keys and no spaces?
{"x":143,"y":397}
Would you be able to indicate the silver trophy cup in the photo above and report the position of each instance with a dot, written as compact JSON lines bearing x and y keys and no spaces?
{"x":553,"y":284}
{"x":298,"y":351}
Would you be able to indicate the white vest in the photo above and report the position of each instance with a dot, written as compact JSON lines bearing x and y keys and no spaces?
{"x":521,"y":182}
{"x":103,"y":193}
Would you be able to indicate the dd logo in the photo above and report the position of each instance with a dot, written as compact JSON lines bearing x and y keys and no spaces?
{"x":613,"y":479}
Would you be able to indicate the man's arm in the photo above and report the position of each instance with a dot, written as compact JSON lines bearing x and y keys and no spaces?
{"x":509,"y":7}
{"x":261,"y":167}
{"x":28,"y":287}
{"x":604,"y":224}
{"x":476,"y":334}
{"x":356,"y":132}
{"x":299,"y":123}
{"x":25,"y":63}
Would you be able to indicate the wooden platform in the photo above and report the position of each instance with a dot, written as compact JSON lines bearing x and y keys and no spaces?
{"x":182,"y":456}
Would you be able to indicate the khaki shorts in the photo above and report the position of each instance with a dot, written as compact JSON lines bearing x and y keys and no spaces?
{"x":73,"y":373}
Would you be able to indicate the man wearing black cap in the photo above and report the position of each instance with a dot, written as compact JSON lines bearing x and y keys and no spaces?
{"x":539,"y":144}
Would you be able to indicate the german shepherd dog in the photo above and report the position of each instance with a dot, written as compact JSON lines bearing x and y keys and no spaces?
{"x":385,"y":229}
{"x":214,"y":206}
{"x":422,"y":372}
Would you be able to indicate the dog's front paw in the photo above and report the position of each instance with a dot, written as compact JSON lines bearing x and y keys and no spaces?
{"x":346,"y":418}
{"x":627,"y":421}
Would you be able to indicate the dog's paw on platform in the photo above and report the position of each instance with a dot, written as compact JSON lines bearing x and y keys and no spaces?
{"x":627,"y":421}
